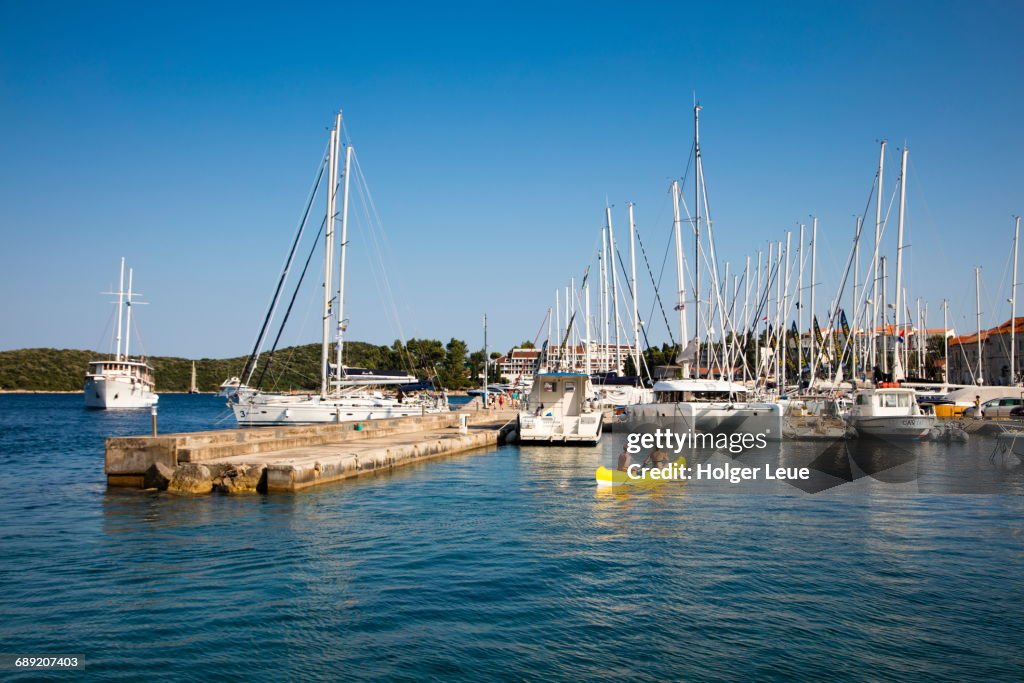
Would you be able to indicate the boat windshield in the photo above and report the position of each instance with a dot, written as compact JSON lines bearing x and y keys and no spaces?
{"x":694,"y":396}
{"x":900,"y":400}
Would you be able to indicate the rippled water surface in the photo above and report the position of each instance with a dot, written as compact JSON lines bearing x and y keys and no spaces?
{"x":506,"y":564}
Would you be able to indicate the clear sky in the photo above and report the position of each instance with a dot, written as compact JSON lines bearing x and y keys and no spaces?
{"x":185,"y":138}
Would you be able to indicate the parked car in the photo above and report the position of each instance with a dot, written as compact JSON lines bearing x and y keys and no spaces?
{"x":1017,"y":412}
{"x":997,"y":407}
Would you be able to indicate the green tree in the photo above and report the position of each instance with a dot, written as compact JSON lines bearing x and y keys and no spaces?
{"x":453,"y":374}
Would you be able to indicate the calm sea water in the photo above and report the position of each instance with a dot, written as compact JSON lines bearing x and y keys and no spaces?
{"x":506,"y":564}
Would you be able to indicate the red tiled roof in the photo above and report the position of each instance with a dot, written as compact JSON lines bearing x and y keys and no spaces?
{"x":1004,"y":328}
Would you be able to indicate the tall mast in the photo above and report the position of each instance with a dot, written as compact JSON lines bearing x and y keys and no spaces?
{"x":785,"y":314}
{"x":338,"y":370}
{"x":917,"y":341}
{"x":854,"y":308}
{"x":684,"y":335}
{"x":487,"y":362}
{"x":814,"y":278}
{"x":874,"y":259}
{"x":745,"y":319}
{"x":632,"y":285}
{"x":800,"y":308}
{"x":332,"y":181}
{"x":569,"y":316}
{"x":780,"y":331}
{"x":586,"y":325}
{"x":945,"y":340}
{"x":977,"y":307}
{"x":615,"y":288}
{"x":696,"y":229}
{"x":603,"y":271}
{"x":1013,"y":304}
{"x":120,"y":310}
{"x":128,"y":317}
{"x":769,"y":314}
{"x":899,"y":252}
{"x":885,"y":318}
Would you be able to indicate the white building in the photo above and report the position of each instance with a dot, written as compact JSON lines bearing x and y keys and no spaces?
{"x":603,"y":358}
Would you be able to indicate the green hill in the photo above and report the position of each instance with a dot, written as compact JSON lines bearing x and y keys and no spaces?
{"x":295,"y":367}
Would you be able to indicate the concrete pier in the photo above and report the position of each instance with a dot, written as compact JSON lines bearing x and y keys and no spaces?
{"x":293,"y":458}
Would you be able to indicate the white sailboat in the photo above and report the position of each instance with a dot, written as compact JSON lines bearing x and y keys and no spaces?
{"x":343,"y":397}
{"x":890,"y":410}
{"x":701,"y":404}
{"x":192,"y":388}
{"x":121,"y":382}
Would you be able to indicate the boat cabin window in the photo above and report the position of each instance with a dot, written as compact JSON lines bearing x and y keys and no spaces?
{"x":549,"y":386}
{"x":692,"y":396}
{"x":570,"y":387}
{"x":900,"y":400}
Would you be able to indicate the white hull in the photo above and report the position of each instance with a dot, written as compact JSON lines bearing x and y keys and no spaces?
{"x":548,"y":429}
{"x":118,"y":392}
{"x":710,"y":417}
{"x":283,"y":410}
{"x":894,"y":426}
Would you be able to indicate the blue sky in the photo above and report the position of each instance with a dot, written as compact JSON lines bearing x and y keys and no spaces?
{"x":185,"y":137}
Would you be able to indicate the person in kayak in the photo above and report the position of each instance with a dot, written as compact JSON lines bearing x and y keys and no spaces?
{"x":657,"y":458}
{"x":623,"y":465}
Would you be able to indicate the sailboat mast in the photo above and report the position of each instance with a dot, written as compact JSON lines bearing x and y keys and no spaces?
{"x":603,"y":271}
{"x":977,"y":308}
{"x":632,"y":285}
{"x":120,"y":309}
{"x":814,"y":278}
{"x":615,"y":288}
{"x":800,"y":308}
{"x":128,"y":316}
{"x":785,"y":314}
{"x":338,"y":369}
{"x":854,"y":306}
{"x":945,"y":340}
{"x":899,"y":252}
{"x":684,"y":336}
{"x":325,"y":342}
{"x":586,"y":323}
{"x":885,"y":317}
{"x":487,"y":362}
{"x":874,"y":261}
{"x":696,"y":229}
{"x":1013,"y":304}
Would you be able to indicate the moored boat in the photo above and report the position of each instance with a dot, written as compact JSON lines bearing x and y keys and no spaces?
{"x":121,"y":382}
{"x":558,"y":411}
{"x":889,"y":411}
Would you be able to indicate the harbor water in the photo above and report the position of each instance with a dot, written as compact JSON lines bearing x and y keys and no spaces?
{"x":506,"y":564}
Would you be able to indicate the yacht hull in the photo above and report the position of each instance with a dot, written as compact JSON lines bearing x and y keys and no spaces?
{"x":711,"y":418}
{"x":118,"y":392}
{"x":894,"y":426}
{"x":313,"y":410}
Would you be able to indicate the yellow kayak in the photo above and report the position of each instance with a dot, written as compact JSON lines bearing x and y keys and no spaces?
{"x":608,"y":477}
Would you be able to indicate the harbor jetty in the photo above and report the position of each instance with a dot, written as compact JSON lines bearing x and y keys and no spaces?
{"x":295,"y":457}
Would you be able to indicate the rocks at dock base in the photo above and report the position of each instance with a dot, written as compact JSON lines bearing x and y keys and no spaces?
{"x":242,"y":479}
{"x":158,"y":476}
{"x":191,"y":478}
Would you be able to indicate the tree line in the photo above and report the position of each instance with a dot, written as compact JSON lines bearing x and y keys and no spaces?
{"x":291,"y":368}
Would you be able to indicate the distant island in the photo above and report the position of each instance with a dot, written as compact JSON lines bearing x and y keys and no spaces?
{"x":292,"y":368}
